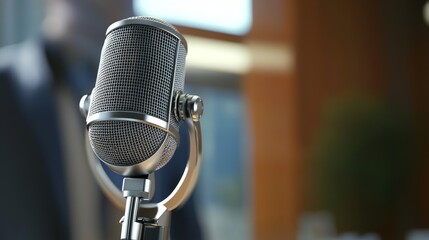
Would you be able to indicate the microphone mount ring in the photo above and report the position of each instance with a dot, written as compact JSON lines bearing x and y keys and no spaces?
{"x":156,"y":217}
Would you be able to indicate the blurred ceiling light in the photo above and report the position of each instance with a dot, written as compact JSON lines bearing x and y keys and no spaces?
{"x":226,"y":16}
{"x":426,"y":12}
{"x":237,"y":58}
{"x":216,"y":55}
{"x":268,"y":56}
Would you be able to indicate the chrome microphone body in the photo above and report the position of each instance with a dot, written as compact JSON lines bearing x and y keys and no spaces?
{"x":132,"y":118}
{"x":131,"y":125}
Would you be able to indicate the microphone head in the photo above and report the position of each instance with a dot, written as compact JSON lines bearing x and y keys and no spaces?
{"x":131,"y":125}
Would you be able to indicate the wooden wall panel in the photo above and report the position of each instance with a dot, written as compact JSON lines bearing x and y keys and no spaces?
{"x":271,"y":97}
{"x":374,"y":48}
{"x":276,"y":169}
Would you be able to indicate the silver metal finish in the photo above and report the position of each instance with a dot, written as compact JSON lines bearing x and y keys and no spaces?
{"x":133,"y":117}
{"x":136,"y":187}
{"x":128,"y":109}
{"x":131,"y":227}
{"x":148,"y":22}
{"x":183,"y":189}
{"x":172,"y":80}
{"x":143,"y":168}
{"x":187,"y":106}
{"x":127,"y":116}
{"x":195,"y":107}
{"x":175,"y":103}
{"x":189,"y":177}
{"x":140,"y":80}
{"x":151,"y":221}
{"x":84,"y":103}
{"x":155,"y":225}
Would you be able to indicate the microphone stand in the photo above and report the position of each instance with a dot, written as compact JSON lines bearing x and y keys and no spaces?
{"x":145,"y":221}
{"x":155,"y":221}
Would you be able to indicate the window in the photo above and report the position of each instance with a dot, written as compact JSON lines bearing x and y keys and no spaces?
{"x":225,"y":16}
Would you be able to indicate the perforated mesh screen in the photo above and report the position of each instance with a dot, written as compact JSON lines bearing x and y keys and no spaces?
{"x":136,"y":73}
{"x":179,"y":80}
{"x":125,"y":143}
{"x":170,"y":148}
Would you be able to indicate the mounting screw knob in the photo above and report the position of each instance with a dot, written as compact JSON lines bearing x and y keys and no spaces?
{"x":195,"y":107}
{"x":187,"y":106}
{"x":84,"y":103}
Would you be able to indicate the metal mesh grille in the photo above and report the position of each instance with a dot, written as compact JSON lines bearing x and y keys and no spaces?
{"x":135,"y":74}
{"x":179,"y":80}
{"x":124,"y":143}
{"x":168,"y":152}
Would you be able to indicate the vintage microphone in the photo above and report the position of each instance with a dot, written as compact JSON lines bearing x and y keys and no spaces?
{"x":133,"y":116}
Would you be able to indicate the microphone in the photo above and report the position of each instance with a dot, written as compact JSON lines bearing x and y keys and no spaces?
{"x":133,"y":116}
{"x":131,"y":124}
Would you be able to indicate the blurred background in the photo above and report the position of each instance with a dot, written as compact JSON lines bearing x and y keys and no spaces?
{"x":316,"y":122}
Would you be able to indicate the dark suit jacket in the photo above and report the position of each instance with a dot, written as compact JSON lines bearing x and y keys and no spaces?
{"x":34,"y":204}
